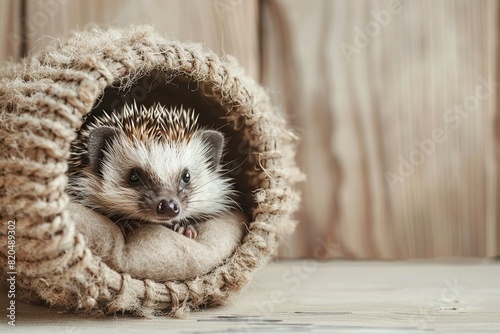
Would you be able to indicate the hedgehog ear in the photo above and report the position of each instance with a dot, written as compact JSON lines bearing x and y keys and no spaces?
{"x":98,"y":138}
{"x":215,"y":144}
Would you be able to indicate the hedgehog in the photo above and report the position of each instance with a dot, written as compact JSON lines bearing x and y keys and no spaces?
{"x":150,"y":165}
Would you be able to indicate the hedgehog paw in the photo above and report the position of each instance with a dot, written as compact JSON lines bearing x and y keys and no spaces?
{"x":188,"y":231}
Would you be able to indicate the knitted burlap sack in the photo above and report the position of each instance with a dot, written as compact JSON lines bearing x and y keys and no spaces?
{"x":43,"y":103}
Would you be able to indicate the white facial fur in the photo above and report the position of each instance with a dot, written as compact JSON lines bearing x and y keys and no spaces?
{"x":161,"y":164}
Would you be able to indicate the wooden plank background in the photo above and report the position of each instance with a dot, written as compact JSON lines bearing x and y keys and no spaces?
{"x":394,"y":102}
{"x":10,"y":30}
{"x":225,"y":26}
{"x":366,"y":96}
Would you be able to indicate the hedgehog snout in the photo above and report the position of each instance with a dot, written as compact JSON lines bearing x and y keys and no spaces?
{"x":168,"y":208}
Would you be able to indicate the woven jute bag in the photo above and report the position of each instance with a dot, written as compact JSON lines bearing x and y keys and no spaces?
{"x":43,"y":103}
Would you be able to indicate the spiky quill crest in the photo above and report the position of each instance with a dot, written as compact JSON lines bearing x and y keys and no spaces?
{"x":157,"y":123}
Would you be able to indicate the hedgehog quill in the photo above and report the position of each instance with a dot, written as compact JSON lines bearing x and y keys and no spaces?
{"x":150,"y":165}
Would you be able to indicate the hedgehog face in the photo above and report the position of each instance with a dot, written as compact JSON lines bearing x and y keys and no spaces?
{"x":155,"y":181}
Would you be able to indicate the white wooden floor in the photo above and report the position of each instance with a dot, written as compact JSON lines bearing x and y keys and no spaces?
{"x":321,"y":297}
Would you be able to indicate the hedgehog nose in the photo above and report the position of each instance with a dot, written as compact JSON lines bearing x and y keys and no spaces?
{"x":167,"y":208}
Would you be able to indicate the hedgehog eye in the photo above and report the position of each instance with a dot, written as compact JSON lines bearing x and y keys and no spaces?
{"x":134,"y":176}
{"x":186,"y":177}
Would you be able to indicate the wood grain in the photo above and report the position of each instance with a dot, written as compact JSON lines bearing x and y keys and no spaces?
{"x":393,"y":98}
{"x":494,"y":233}
{"x":10,"y":30}
{"x":226,"y":26}
{"x":318,"y":297}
